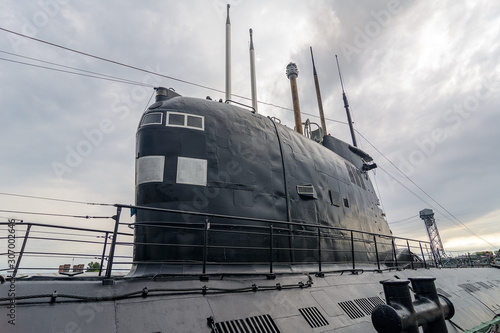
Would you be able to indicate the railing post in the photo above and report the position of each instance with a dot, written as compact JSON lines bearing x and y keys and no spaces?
{"x":352,"y":251}
{"x":28,"y":228}
{"x":409,"y":253}
{"x":107,"y":279}
{"x":103,"y":252}
{"x":271,"y":236}
{"x":205,"y":246}
{"x":395,"y":254}
{"x":423,"y":257}
{"x":376,"y":251}
{"x":319,"y":249}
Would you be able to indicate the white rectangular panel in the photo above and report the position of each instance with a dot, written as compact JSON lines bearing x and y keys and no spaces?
{"x":150,"y":169}
{"x":191,"y":171}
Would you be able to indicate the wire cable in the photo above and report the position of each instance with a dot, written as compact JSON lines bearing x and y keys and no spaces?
{"x":58,"y":215}
{"x":404,"y":220}
{"x":407,"y":177}
{"x":54,"y":199}
{"x":221,"y":91}
{"x":152,"y":73}
{"x":81,"y":74}
{"x":74,"y":68}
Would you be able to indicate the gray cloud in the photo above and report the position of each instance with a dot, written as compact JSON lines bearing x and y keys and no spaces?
{"x":406,"y":64}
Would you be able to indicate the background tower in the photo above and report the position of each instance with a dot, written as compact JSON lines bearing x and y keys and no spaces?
{"x":432,"y":230}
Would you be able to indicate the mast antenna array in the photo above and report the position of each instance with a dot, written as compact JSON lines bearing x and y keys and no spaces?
{"x":346,"y":106}
{"x":228,"y":56}
{"x":318,"y":95}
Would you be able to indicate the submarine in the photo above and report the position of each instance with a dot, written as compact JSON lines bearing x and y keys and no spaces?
{"x":245,"y":225}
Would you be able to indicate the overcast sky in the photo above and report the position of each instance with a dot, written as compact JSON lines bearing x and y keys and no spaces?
{"x":423,"y":80}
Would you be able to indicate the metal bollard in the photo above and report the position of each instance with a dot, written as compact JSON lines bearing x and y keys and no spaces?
{"x":401,"y":314}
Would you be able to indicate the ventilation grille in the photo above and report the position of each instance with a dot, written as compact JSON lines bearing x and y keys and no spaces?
{"x":351,"y":309}
{"x":360,"y":307}
{"x":484,"y":285}
{"x":306,"y":191}
{"x":365,"y":305}
{"x":442,"y":292}
{"x":376,"y":300}
{"x":468,"y":287}
{"x":314,"y":317}
{"x":261,"y":324}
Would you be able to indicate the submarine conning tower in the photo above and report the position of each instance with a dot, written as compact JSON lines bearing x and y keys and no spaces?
{"x":221,"y":175}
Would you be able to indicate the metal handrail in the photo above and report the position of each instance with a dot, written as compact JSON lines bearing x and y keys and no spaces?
{"x":270,"y":228}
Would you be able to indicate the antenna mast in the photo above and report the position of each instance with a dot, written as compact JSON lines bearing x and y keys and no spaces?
{"x":228,"y":56}
{"x":318,"y":95}
{"x":292,"y":72}
{"x":252,"y":74}
{"x":346,"y":106}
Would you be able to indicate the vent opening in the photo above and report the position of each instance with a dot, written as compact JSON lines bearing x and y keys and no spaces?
{"x":307,"y":191}
{"x":313,"y":317}
{"x":263,"y":324}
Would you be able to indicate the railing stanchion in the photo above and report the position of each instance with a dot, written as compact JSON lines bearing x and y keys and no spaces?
{"x":409,"y":253}
{"x":103,"y":252}
{"x":376,"y":251}
{"x":352,"y":251}
{"x":423,"y":257}
{"x":395,"y":254}
{"x":319,"y":249}
{"x":25,"y":240}
{"x":205,"y":246}
{"x":271,"y":236}
{"x":107,"y":279}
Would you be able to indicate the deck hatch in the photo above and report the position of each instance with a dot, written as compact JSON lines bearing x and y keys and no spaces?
{"x":351,"y":309}
{"x":263,"y":324}
{"x":313,"y":317}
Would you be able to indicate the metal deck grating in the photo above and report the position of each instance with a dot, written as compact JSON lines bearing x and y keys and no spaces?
{"x":468,"y":287}
{"x":351,"y":309}
{"x":365,"y":305}
{"x":484,"y":285}
{"x":313,"y":317}
{"x":257,"y":324}
{"x":376,"y":300}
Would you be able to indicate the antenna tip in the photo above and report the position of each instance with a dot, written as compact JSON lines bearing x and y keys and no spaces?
{"x":228,"y":6}
{"x":251,"y":32}
{"x":292,"y":71}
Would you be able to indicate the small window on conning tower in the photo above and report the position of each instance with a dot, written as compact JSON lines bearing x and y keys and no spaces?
{"x":154,"y":118}
{"x":194,"y":121}
{"x":176,"y":119}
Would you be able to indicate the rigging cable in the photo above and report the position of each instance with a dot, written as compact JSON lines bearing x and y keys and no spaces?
{"x":153,"y":73}
{"x":81,"y":74}
{"x":58,"y":215}
{"x":220,"y":91}
{"x":70,"y":67}
{"x":55,"y":199}
{"x":407,"y":177}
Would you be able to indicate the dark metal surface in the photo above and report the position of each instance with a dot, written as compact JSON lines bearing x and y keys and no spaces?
{"x":254,"y":167}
